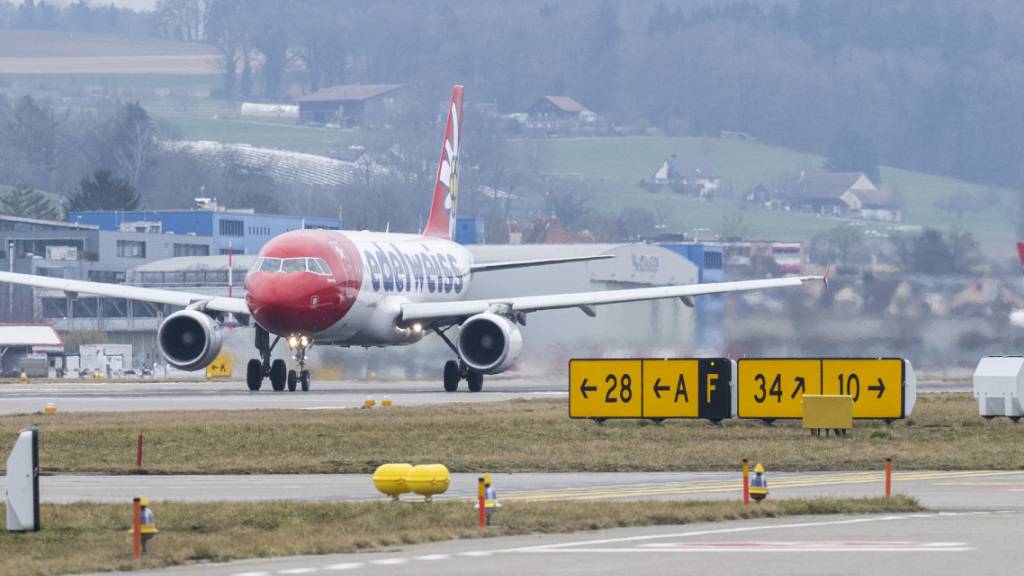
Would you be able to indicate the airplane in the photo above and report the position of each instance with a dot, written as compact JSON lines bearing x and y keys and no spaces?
{"x":373,"y":289}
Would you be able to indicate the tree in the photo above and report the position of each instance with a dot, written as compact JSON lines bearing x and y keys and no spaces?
{"x":842,"y":245}
{"x":963,"y":251}
{"x":852,"y":151}
{"x":134,"y":142}
{"x":26,"y":202}
{"x":103,"y":191}
{"x":931,"y":253}
{"x":221,"y":25}
{"x":734,"y":227}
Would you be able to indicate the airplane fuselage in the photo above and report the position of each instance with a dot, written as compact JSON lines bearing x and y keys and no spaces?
{"x":352,"y":291}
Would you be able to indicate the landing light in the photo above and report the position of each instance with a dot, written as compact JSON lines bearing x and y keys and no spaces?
{"x":304,"y":341}
{"x":417,"y":327}
{"x":293,"y":341}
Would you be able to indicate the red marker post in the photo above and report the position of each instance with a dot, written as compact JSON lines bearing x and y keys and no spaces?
{"x":888,"y":477}
{"x":481,"y":503}
{"x":746,"y":482}
{"x":137,"y":529}
{"x":138,"y":452}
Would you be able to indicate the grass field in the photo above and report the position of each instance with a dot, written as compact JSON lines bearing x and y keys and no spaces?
{"x":65,"y":53}
{"x":945,"y":433}
{"x":80,"y":538}
{"x":622,"y":162}
{"x":263,"y":134}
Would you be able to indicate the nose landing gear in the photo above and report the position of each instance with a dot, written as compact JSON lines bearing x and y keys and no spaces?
{"x":299,"y":344}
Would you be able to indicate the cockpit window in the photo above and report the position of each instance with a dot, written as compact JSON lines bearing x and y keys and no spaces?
{"x":314,"y":265}
{"x":269,"y":265}
{"x":318,"y":266}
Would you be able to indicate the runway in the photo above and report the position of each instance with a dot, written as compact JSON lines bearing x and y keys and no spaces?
{"x":939,"y":490}
{"x":101,"y":396}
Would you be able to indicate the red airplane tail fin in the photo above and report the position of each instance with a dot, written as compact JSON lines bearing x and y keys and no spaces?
{"x":441,"y":223}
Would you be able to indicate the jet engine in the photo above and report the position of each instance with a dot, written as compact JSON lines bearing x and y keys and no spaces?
{"x":489,"y":343}
{"x":189,"y":339}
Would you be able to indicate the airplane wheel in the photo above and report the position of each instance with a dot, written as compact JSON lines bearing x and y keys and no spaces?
{"x":475,"y":380}
{"x":304,"y":380}
{"x":293,"y":380}
{"x":254,"y":374}
{"x":278,"y":373}
{"x":451,"y":376}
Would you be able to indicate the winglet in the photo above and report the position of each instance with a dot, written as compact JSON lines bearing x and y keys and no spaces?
{"x":825,"y":277}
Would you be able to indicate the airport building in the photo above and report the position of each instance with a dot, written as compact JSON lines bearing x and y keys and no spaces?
{"x":79,"y":252}
{"x":237,"y":231}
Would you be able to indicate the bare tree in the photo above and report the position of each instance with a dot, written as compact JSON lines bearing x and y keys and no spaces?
{"x":134,"y":142}
{"x":181,"y":19}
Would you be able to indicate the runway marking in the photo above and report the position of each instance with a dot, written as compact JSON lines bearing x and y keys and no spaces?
{"x":389,"y":561}
{"x":434,"y":557}
{"x":753,"y":550}
{"x":708,"y":487}
{"x":477,"y":553}
{"x":252,"y":574}
{"x":344,"y":566}
{"x":298,"y":571}
{"x":808,"y":546}
{"x":573,"y":546}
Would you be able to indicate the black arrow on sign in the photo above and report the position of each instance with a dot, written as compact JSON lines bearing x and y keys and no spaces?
{"x":584,"y":388}
{"x":799,"y":387}
{"x":659,"y":389}
{"x":880,"y":388}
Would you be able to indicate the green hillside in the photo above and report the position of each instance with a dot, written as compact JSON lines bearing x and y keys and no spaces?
{"x":622,"y":162}
{"x":616,"y":165}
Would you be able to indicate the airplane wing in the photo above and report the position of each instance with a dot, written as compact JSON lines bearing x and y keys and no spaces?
{"x":152,"y":295}
{"x":487,"y":266}
{"x":456,"y":311}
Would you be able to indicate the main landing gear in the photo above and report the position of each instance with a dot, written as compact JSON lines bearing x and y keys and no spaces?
{"x":454,"y":371}
{"x":259,"y":368}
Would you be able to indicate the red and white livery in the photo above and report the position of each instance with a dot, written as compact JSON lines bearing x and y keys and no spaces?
{"x":372,"y":289}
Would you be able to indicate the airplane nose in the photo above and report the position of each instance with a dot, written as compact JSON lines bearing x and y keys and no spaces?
{"x":293,"y":303}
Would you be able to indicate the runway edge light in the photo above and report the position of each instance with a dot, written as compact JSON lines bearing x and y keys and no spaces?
{"x":758,"y":484}
{"x":23,"y":483}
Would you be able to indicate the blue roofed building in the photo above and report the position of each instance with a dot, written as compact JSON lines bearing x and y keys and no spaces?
{"x":240,"y":231}
{"x":710,"y":261}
